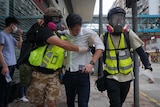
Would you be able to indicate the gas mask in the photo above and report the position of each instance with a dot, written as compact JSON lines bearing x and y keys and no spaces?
{"x":57,"y":21}
{"x":110,"y":29}
{"x":117,"y":22}
{"x":59,"y":26}
{"x":52,"y":26}
{"x":54,"y":23}
{"x":14,"y":28}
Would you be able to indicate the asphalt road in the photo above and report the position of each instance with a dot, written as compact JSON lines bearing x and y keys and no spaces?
{"x":151,"y":91}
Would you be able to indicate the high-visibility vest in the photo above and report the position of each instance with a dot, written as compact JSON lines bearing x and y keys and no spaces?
{"x":117,"y":60}
{"x":48,"y":56}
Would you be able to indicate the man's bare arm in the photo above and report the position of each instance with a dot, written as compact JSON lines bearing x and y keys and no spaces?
{"x":3,"y":63}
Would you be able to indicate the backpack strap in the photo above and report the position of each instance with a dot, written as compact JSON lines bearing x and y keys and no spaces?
{"x":126,"y":36}
{"x":105,"y":36}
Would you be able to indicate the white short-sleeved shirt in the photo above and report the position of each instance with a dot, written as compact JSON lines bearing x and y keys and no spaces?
{"x":76,"y":59}
{"x":135,"y":43}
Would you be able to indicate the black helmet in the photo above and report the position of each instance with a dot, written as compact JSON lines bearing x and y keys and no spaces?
{"x":114,"y":11}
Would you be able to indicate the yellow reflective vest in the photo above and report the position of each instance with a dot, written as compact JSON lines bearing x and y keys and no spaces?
{"x":117,"y":60}
{"x":48,"y":56}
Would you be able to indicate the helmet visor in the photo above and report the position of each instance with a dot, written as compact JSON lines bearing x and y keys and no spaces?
{"x":56,"y":19}
{"x":117,"y":19}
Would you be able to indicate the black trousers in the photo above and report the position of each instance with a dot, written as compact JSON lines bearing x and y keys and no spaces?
{"x":77,"y":83}
{"x":117,"y":92}
{"x":5,"y":88}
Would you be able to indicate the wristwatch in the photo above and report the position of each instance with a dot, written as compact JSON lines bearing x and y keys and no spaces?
{"x":92,"y":62}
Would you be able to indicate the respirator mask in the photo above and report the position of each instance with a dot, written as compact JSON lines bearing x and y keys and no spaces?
{"x":53,"y":22}
{"x":117,"y":23}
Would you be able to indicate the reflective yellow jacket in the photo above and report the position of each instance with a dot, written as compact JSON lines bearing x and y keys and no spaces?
{"x":48,"y":56}
{"x":117,"y":60}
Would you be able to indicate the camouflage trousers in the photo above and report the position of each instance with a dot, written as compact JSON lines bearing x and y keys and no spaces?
{"x":43,"y":87}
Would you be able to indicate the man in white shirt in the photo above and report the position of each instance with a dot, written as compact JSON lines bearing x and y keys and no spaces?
{"x":80,"y":65}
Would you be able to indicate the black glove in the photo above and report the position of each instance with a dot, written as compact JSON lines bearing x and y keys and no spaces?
{"x":149,"y":67}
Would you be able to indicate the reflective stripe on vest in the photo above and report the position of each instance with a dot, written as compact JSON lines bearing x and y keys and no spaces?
{"x":48,"y":56}
{"x":118,"y":60}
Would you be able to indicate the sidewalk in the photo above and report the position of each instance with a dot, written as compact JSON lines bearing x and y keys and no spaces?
{"x":97,"y":99}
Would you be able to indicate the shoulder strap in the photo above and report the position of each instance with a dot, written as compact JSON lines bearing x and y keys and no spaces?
{"x":57,"y":34}
{"x":105,"y":39}
{"x":126,"y":36}
{"x":105,"y":36}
